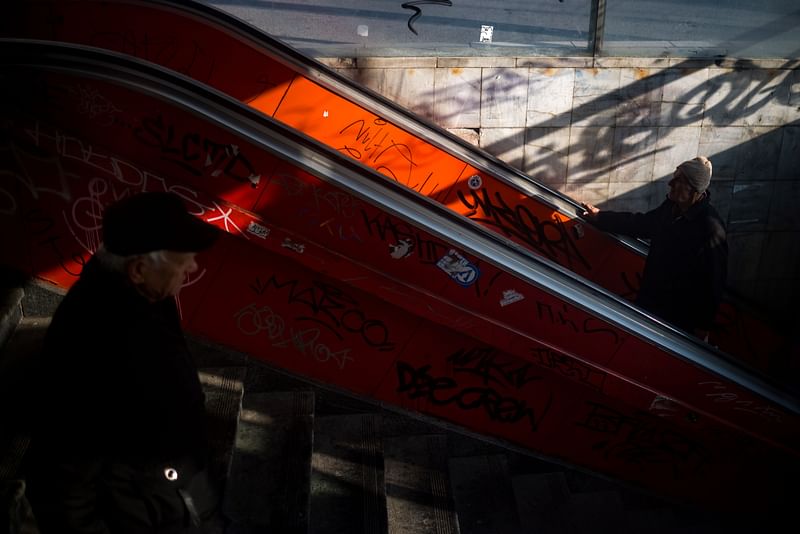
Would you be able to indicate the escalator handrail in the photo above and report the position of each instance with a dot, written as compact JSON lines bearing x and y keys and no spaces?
{"x":394,"y":198}
{"x":409,"y":121}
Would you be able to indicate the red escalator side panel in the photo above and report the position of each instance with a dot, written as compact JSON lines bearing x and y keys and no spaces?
{"x":458,"y":290}
{"x":338,"y":307}
{"x":233,"y":64}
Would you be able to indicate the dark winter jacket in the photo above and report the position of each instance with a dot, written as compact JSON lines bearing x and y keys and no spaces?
{"x":119,"y":399}
{"x":686,"y":268}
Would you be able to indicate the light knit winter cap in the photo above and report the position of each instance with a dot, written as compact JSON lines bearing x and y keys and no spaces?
{"x":697,"y":172}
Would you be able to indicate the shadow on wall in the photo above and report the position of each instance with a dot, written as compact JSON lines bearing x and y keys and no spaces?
{"x":613,"y":136}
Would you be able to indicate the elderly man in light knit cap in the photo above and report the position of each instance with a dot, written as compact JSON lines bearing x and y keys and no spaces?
{"x":687,"y":266}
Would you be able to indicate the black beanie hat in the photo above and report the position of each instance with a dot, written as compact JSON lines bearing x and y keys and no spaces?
{"x":146,"y":222}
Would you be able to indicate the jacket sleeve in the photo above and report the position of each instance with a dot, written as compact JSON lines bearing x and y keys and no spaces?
{"x":630,"y":224}
{"x":714,"y":262}
{"x":73,"y":498}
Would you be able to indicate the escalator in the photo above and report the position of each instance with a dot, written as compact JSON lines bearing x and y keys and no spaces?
{"x":336,"y":274}
{"x":224,"y":52}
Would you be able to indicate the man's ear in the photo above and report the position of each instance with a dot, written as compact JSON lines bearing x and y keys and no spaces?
{"x":136,"y":270}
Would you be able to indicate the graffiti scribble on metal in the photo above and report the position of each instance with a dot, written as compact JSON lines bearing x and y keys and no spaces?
{"x":418,"y":12}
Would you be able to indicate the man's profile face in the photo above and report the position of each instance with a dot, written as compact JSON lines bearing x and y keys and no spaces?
{"x":158,"y":279}
{"x":680,"y":191}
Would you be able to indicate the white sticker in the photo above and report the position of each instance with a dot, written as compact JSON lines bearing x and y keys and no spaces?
{"x":459,"y":268}
{"x":486,"y":34}
{"x":664,"y":407}
{"x":297,"y":247}
{"x":401,"y":250}
{"x":258,"y":230}
{"x":475,"y":181}
{"x":510,"y":296}
{"x":362,"y":30}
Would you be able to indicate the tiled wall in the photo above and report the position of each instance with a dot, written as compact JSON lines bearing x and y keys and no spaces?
{"x":611,"y":131}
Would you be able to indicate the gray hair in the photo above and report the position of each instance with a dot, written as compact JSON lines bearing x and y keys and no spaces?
{"x":119,"y":264}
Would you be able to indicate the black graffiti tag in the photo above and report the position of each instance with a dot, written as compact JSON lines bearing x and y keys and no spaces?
{"x":444,"y":390}
{"x":586,"y":325}
{"x":569,"y":367}
{"x":418,"y":12}
{"x":386,"y":228}
{"x":331,"y":308}
{"x":374,"y":147}
{"x":641,"y":440}
{"x":195,"y":153}
{"x":485,"y":363}
{"x":549,"y":238}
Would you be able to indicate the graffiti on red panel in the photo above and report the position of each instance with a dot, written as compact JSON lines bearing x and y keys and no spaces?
{"x":642,"y":440}
{"x":372,"y":141}
{"x":548,"y":237}
{"x":187,"y":57}
{"x":325,"y":308}
{"x":317,"y":207}
{"x":262,"y":320}
{"x":402,"y":239}
{"x":60,"y":185}
{"x":196,"y":153}
{"x":330,"y":307}
{"x":479,"y":379}
{"x":722,"y":393}
{"x":575,"y":321}
{"x":569,"y":367}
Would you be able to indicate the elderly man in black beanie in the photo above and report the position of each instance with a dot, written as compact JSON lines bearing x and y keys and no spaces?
{"x":119,"y":440}
{"x":686,"y":269}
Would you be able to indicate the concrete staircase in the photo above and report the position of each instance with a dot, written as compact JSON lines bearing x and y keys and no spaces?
{"x":297,"y":457}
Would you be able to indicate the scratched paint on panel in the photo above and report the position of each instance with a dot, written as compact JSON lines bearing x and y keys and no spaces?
{"x":62,"y":225}
{"x":530,"y":311}
{"x":559,"y":326}
{"x":449,"y":376}
{"x":163,"y":36}
{"x":293,"y":318}
{"x":367,"y":138}
{"x":201,"y":49}
{"x":174,"y":142}
{"x":327,"y":311}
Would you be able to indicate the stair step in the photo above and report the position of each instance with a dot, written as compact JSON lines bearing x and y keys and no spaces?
{"x":18,"y":355}
{"x":418,"y":496}
{"x":223,"y":387}
{"x":267,"y":489}
{"x":538,"y":497}
{"x":597,"y":512}
{"x":347,"y":482}
{"x":12,"y":450}
{"x":652,"y":521}
{"x":10,"y":311}
{"x":17,"y":367}
{"x":483,"y":495}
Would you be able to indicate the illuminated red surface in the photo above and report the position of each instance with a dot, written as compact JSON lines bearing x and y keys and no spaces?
{"x":312,"y":279}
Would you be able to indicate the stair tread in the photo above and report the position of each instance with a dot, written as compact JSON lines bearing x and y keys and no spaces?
{"x":594,"y":512}
{"x":347,"y":483}
{"x":538,"y":497}
{"x":223,"y":389}
{"x":418,"y":496}
{"x":10,"y":311}
{"x":483,"y":494}
{"x":270,"y":471}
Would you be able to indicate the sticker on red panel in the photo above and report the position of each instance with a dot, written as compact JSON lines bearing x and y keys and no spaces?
{"x":459,"y":268}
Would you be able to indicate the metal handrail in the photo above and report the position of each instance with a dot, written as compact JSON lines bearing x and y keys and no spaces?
{"x":365,"y":183}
